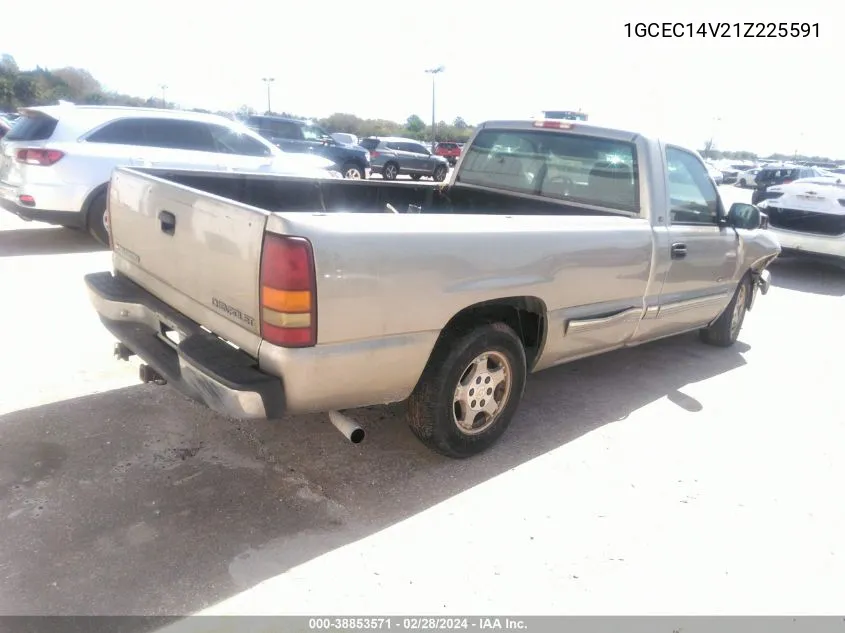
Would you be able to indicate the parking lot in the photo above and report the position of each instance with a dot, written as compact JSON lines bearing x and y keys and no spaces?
{"x":712,"y":472}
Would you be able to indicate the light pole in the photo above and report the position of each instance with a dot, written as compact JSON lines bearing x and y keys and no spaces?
{"x":268,"y":81}
{"x":163,"y":95}
{"x":711,"y":142}
{"x":800,"y":140}
{"x":434,"y":72}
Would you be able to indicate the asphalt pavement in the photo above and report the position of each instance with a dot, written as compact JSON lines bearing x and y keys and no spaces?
{"x":670,"y":478}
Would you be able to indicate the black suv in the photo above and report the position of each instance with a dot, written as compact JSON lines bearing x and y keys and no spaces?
{"x":771,"y":175}
{"x":294,"y":135}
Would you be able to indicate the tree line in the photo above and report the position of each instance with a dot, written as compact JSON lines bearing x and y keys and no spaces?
{"x":41,"y":86}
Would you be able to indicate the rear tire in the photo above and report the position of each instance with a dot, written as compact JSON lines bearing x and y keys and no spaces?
{"x":469,"y":391}
{"x":97,"y":220}
{"x":390,"y":171}
{"x":724,"y":331}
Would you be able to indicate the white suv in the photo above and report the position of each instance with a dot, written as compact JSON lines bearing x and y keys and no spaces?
{"x":56,"y":161}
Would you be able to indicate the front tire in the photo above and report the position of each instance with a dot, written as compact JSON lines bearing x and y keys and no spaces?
{"x":724,"y":331}
{"x":469,"y":391}
{"x":390,"y":171}
{"x":440,"y":173}
{"x":352,"y":171}
{"x":97,"y":219}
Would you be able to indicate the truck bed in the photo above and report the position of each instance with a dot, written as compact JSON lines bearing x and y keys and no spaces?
{"x":289,"y":194}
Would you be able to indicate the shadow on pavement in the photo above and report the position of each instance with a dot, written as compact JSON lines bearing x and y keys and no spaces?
{"x":804,"y":274}
{"x":137,"y":501}
{"x":47,"y":241}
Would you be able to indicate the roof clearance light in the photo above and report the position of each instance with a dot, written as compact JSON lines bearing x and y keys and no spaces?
{"x":554,"y":124}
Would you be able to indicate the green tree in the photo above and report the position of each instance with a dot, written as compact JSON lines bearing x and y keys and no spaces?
{"x":415,"y":125}
{"x":26,"y":90}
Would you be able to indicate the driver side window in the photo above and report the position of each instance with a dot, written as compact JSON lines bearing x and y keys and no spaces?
{"x":693,"y":196}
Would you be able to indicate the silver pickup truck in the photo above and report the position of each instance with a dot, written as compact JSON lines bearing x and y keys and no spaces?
{"x":262,"y":295}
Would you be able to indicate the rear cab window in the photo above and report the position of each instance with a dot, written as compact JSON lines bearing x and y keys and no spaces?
{"x":32,"y":127}
{"x":581,"y":169}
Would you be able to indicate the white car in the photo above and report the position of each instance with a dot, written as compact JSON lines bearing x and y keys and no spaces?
{"x":747,"y":178}
{"x":808,"y":215}
{"x":56,"y":161}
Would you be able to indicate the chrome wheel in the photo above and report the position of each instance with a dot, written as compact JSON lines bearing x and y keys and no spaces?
{"x":482,"y":392}
{"x":390,"y":172}
{"x":739,"y":309}
{"x":106,"y":221}
{"x":353,"y":173}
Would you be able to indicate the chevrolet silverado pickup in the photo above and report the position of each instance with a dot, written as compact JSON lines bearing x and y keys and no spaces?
{"x":262,"y":295}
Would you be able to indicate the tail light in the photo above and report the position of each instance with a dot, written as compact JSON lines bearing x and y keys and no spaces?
{"x":374,"y":154}
{"x":43,"y":157}
{"x":787,"y":181}
{"x":553,"y":124}
{"x":288,"y":292}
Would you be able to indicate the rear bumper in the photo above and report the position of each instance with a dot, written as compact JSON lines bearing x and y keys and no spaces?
{"x":60,"y":218}
{"x":201,"y":366}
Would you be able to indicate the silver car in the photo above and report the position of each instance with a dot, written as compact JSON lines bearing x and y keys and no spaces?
{"x":392,"y":155}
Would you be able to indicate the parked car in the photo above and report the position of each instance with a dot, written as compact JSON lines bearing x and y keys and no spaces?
{"x":299,"y":136}
{"x":56,"y":161}
{"x":779,"y":175}
{"x":747,"y":178}
{"x":808,"y":216}
{"x":392,"y":156}
{"x":345,"y":139}
{"x":448,"y":150}
{"x":336,"y":297}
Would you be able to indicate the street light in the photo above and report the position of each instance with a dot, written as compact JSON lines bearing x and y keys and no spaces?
{"x":434,"y":72}
{"x":711,"y":142}
{"x":163,"y":95}
{"x":268,"y":81}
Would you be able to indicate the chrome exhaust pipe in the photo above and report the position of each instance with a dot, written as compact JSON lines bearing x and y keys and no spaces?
{"x":347,"y":426}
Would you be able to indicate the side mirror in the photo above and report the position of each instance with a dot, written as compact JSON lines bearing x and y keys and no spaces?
{"x":747,"y":216}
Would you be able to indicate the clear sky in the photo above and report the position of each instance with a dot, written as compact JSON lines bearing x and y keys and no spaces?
{"x":503,"y":60}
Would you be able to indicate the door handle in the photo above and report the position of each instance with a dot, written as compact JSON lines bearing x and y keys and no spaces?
{"x":679,"y":250}
{"x":168,"y":222}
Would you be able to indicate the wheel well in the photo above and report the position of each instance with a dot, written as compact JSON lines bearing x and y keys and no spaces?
{"x":86,"y":206}
{"x":524,"y":315}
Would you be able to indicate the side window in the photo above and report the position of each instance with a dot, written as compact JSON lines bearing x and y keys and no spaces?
{"x":396,"y":147}
{"x":693,"y":196}
{"x":175,"y":134}
{"x":120,"y":132}
{"x":283,"y":129}
{"x":416,"y":148}
{"x":313,"y":133}
{"x":229,"y":141}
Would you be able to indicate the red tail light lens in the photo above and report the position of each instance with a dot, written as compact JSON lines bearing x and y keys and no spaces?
{"x":288,"y":292}
{"x":374,"y":154}
{"x":43,"y":157}
{"x":787,"y":181}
